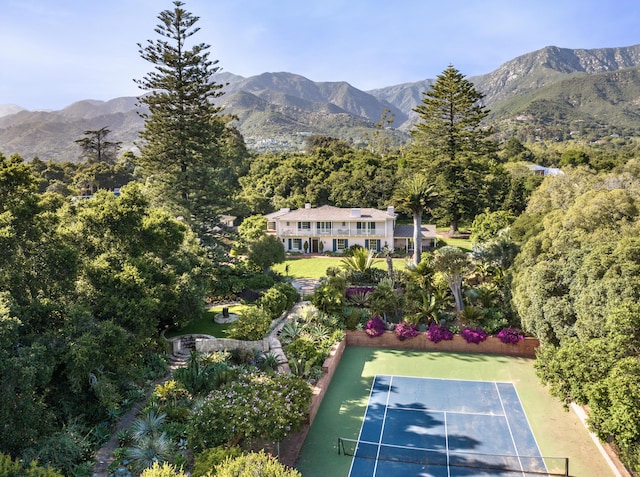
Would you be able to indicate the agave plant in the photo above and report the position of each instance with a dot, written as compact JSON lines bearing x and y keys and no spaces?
{"x":268,"y":362}
{"x":149,"y":450}
{"x":316,"y":332}
{"x":147,"y":425}
{"x":300,"y":367}
{"x":290,"y":331}
{"x":307,"y":314}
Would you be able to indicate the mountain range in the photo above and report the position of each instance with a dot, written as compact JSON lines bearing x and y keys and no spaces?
{"x":550,"y":94}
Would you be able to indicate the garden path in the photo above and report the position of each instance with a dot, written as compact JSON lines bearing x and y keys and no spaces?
{"x":104,"y":456}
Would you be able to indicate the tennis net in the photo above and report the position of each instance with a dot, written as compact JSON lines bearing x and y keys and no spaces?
{"x":529,"y":465}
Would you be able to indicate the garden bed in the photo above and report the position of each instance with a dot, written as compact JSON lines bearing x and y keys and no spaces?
{"x":492,"y":345}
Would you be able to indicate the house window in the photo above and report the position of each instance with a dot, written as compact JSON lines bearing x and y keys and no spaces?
{"x":373,"y":244}
{"x":342,"y":244}
{"x":296,"y":244}
{"x":323,"y":227}
{"x":271,"y":225}
{"x":366,"y":228}
{"x":304,"y":225}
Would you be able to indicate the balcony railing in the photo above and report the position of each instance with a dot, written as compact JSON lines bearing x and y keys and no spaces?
{"x":338,"y":232}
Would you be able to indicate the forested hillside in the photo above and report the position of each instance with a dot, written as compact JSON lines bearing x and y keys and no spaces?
{"x":550,"y":95}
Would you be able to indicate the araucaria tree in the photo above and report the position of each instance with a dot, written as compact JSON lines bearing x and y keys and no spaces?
{"x":183,"y":136}
{"x":452,"y":147}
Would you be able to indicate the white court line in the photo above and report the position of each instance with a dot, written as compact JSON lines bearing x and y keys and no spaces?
{"x":515,"y":447}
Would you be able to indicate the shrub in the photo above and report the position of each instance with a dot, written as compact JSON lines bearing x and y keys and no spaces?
{"x":162,"y":470}
{"x":259,"y":281}
{"x":253,"y":406}
{"x":510,"y":336}
{"x":437,"y":333}
{"x":254,"y":464}
{"x":274,"y":301}
{"x":253,"y":324}
{"x":290,"y":291}
{"x":405,"y":330}
{"x":302,"y":348}
{"x":206,"y":461}
{"x":474,"y":335}
{"x":374,"y":327}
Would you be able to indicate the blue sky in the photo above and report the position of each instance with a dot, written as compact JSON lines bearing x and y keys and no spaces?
{"x":56,"y":52}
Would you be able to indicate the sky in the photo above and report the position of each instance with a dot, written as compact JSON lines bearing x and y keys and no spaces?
{"x":56,"y":52}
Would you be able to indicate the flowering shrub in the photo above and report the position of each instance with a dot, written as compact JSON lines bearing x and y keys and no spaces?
{"x":437,"y":333}
{"x":254,"y":406}
{"x":474,"y":335}
{"x":405,"y":330}
{"x":510,"y":336}
{"x":374,"y":327}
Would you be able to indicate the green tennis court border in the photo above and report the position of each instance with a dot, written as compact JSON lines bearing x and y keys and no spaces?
{"x":557,"y":431}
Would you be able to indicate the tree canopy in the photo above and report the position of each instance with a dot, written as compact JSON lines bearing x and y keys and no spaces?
{"x":454,"y":150}
{"x":187,"y":152}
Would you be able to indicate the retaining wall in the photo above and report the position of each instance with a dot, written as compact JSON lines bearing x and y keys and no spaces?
{"x":492,"y":345}
{"x":209,"y":344}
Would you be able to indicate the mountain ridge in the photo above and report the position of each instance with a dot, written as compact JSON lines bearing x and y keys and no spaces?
{"x":276,"y":111}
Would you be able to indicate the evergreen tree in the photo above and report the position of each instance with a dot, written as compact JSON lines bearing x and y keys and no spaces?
{"x":452,"y":146}
{"x":96,"y":148}
{"x":184,"y":135}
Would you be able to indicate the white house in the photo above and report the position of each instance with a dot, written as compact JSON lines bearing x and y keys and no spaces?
{"x":544,"y":171}
{"x":335,"y":229}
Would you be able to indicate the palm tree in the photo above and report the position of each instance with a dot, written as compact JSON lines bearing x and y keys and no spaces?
{"x":361,"y":261}
{"x":415,"y":195}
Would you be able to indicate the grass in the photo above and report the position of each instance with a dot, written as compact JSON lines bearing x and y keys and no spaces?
{"x":464,"y":244}
{"x":316,"y":267}
{"x":558,"y":432}
{"x":205,"y":324}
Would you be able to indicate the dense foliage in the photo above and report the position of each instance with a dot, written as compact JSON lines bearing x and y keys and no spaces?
{"x":575,"y":287}
{"x":85,"y":288}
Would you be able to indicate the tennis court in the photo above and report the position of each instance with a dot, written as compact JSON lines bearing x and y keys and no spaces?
{"x":445,"y":428}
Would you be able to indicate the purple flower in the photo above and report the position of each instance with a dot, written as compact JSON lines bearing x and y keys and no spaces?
{"x":510,"y":336}
{"x":405,"y":330}
{"x":374,"y":327}
{"x":358,"y":291}
{"x":474,"y":335}
{"x":437,"y":333}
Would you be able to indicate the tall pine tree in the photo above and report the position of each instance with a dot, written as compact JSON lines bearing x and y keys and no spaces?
{"x":185,"y":136}
{"x":453,"y":148}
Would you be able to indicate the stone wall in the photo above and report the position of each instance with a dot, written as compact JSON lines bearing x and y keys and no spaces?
{"x":492,"y":345}
{"x":209,"y":344}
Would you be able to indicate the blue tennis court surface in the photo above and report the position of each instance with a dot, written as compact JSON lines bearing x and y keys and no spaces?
{"x":444,"y":428}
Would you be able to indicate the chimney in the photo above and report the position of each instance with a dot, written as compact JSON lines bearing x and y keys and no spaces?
{"x":356,"y":213}
{"x":390,"y":210}
{"x":307,"y":205}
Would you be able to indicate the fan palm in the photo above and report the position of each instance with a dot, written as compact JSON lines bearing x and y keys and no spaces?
{"x":415,"y":195}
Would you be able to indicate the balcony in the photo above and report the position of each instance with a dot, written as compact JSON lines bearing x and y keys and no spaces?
{"x":337,"y":232}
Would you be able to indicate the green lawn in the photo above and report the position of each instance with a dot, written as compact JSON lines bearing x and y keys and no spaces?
{"x":205,"y":325}
{"x":316,"y":267}
{"x":558,"y":432}
{"x":464,"y":244}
